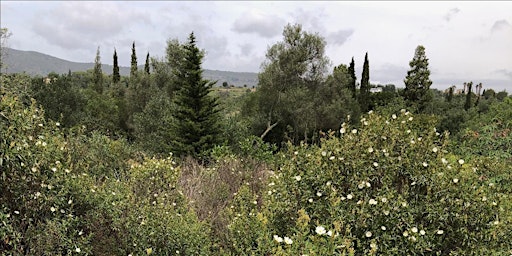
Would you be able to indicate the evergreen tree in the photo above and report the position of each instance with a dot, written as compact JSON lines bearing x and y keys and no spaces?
{"x":133,"y":70}
{"x":352,"y":73}
{"x":115,"y":74}
{"x":449,"y":96}
{"x":417,"y":82}
{"x":467,"y":105}
{"x":196,"y":128}
{"x":364,"y":91}
{"x":98,"y":73}
{"x":146,"y":66}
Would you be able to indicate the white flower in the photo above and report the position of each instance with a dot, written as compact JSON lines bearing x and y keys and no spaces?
{"x":440,"y":232}
{"x":287,"y":240}
{"x":331,"y":158}
{"x":370,"y":150}
{"x":349,"y":196}
{"x":354,"y":131}
{"x":310,"y":200}
{"x":54,"y":169}
{"x":444,"y":161}
{"x":52,"y":209}
{"x":414,"y":230}
{"x":434,"y":150}
{"x":319,"y":193}
{"x":365,"y":122}
{"x":298,"y":178}
{"x":278,"y":239}
{"x":324,"y":153}
{"x":328,"y":183}
{"x":461,"y":161}
{"x":484,"y":199}
{"x":422,"y":232}
{"x":375,"y":164}
{"x":386,"y":212}
{"x":359,"y":202}
{"x":393,"y":116}
{"x":16,"y":212}
{"x":368,"y":184}
{"x":496,"y":222}
{"x":329,"y":233}
{"x":410,"y":118}
{"x":57,"y":124}
{"x":404,"y":204}
{"x":296,"y":153}
{"x":373,"y":245}
{"x":80,"y":233}
{"x":78,"y":250}
{"x":455,"y":180}
{"x":320,"y":230}
{"x":372,"y":201}
{"x":413,"y":238}
{"x":360,"y":186}
{"x":342,"y":130}
{"x":413,"y":183}
{"x":368,"y":234}
{"x":425,"y":164}
{"x":405,"y":233}
{"x":384,"y":200}
{"x":383,"y":228}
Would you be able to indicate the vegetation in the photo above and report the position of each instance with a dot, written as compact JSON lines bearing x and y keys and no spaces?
{"x":164,"y":163}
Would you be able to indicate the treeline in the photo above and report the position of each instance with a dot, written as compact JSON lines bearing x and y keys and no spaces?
{"x":313,"y":161}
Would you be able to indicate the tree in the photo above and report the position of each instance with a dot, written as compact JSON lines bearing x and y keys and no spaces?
{"x":98,"y":73}
{"x":133,"y":69}
{"x":294,"y":69}
{"x":417,"y":82}
{"x":364,"y":91}
{"x":4,"y":36}
{"x":449,"y":96}
{"x":115,"y":74}
{"x":352,"y":72}
{"x":146,"y":66}
{"x":196,"y":128}
{"x":467,"y":105}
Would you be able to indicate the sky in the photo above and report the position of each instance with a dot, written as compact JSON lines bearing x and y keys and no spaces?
{"x":464,"y":41}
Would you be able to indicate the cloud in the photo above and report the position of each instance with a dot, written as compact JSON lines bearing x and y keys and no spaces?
{"x":505,"y":72}
{"x":389,"y":73}
{"x":339,"y":37}
{"x":451,"y":13}
{"x":82,"y":24}
{"x":246,"y":49}
{"x":500,"y":25}
{"x":259,"y":23}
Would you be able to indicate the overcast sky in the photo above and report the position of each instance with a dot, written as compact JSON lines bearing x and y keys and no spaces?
{"x":464,"y":41}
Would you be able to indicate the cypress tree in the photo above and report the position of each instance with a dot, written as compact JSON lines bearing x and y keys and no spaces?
{"x":115,"y":73}
{"x":133,"y":70}
{"x":98,"y":73}
{"x":467,"y":105}
{"x":364,"y":91}
{"x":352,"y":73}
{"x":196,"y":127}
{"x":146,"y":66}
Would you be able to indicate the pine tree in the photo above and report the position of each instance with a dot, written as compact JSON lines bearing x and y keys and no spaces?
{"x":133,"y":70}
{"x":146,"y":66}
{"x":364,"y":91}
{"x":417,"y":82}
{"x":115,"y":73}
{"x":196,"y":128}
{"x":352,"y":73}
{"x":98,"y":73}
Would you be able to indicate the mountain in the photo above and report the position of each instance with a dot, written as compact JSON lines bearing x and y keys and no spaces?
{"x":36,"y":63}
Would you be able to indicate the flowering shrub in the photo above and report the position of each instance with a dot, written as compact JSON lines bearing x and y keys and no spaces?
{"x":388,"y":187}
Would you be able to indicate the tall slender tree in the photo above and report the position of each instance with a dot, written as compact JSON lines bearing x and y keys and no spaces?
{"x":98,"y":73}
{"x":352,"y":73}
{"x":417,"y":82}
{"x":146,"y":66}
{"x":467,"y":105}
{"x":115,"y":73}
{"x":133,"y":69}
{"x":196,"y":128}
{"x":364,"y":91}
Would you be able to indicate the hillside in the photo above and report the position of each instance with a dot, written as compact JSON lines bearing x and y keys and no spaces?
{"x":36,"y":63}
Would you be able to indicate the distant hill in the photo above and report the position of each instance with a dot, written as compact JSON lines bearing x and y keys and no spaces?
{"x":36,"y":63}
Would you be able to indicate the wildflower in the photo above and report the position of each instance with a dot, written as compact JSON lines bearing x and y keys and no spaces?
{"x":360,"y":186}
{"x":440,"y":232}
{"x":78,"y":249}
{"x":434,"y":150}
{"x":57,"y":124}
{"x":54,"y":169}
{"x":278,"y":239}
{"x":386,"y":212}
{"x":384,"y":200}
{"x":484,"y":199}
{"x":320,"y":230}
{"x":383,"y":228}
{"x":329,"y":233}
{"x":444,"y":161}
{"x":298,"y":178}
{"x":422,"y":232}
{"x":328,"y":183}
{"x":359,"y":202}
{"x":455,"y":180}
{"x":324,"y":153}
{"x":414,"y":229}
{"x":310,"y":200}
{"x":372,"y":201}
{"x":496,"y":222}
{"x":16,"y":212}
{"x":365,"y":123}
{"x":354,"y":131}
{"x":373,"y":245}
{"x":149,"y":251}
{"x":319,"y":193}
{"x":349,"y":196}
{"x":410,"y":118}
{"x":461,"y":161}
{"x":368,"y":184}
{"x":296,"y":153}
{"x":80,"y":233}
{"x":370,"y":150}
{"x":413,"y":238}
{"x":375,"y":164}
{"x":331,"y":158}
{"x":52,"y":209}
{"x":368,"y":234}
{"x":342,"y":130}
{"x":406,"y":234}
{"x":404,"y":204}
{"x":425,"y":164}
{"x":287,"y":240}
{"x":393,"y":116}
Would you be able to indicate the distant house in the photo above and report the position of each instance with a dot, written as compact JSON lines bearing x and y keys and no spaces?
{"x":376,"y":89}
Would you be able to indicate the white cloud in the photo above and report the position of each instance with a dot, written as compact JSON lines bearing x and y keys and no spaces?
{"x":339,"y":37}
{"x":260,"y":23}
{"x":451,"y":13}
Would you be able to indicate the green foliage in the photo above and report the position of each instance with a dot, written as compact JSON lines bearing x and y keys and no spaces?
{"x":196,"y":127}
{"x":364,"y":91}
{"x":417,"y":82}
{"x":98,"y":74}
{"x":133,"y":63}
{"x":352,"y":73}
{"x":468,"y":104}
{"x":146,"y":65}
{"x":115,"y":72}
